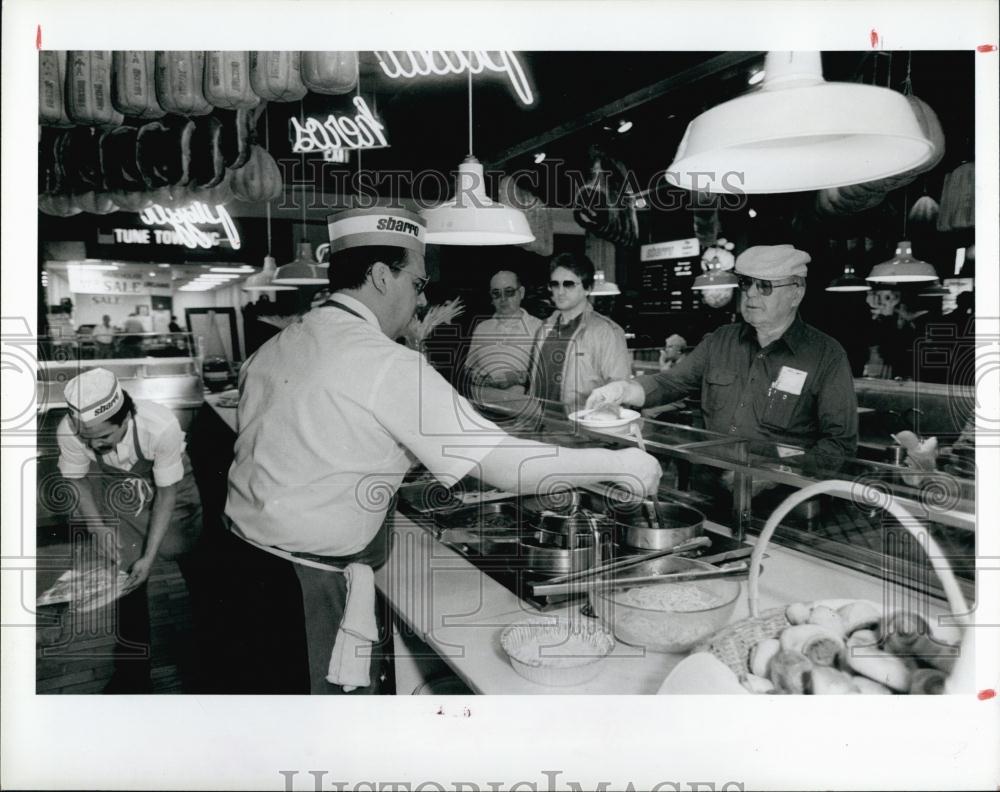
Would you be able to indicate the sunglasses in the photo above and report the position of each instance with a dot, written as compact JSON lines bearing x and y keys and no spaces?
{"x":508,"y":292}
{"x":764,"y":287}
{"x":568,"y":284}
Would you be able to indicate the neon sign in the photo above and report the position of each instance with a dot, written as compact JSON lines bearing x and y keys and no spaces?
{"x":363,"y":131}
{"x":421,"y":63}
{"x":184,"y":224}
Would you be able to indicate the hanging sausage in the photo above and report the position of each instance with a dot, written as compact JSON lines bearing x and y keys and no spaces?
{"x":334,"y":72}
{"x":134,"y":86}
{"x":88,"y":88}
{"x":958,"y":199}
{"x":227,"y":80}
{"x":51,"y":84}
{"x":179,"y":78}
{"x":121,"y":171}
{"x":259,"y":179}
{"x":275,"y":75}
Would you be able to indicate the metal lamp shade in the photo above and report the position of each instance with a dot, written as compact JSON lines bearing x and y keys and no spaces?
{"x":715,"y":279}
{"x":903,"y":268}
{"x":604,"y":287}
{"x":848,"y":282}
{"x":471,"y":218}
{"x":302,"y":270}
{"x":264,"y":280}
{"x":799,"y":133}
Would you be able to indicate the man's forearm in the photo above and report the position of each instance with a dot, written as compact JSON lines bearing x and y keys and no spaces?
{"x":163,"y":509}
{"x":527,"y":467}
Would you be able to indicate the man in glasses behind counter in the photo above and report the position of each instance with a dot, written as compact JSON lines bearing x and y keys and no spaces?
{"x":501,"y":345}
{"x":771,"y":377}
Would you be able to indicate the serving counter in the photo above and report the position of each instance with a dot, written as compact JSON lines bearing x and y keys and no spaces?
{"x":450,"y":611}
{"x":459,"y":613}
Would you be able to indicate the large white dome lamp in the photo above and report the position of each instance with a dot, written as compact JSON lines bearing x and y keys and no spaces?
{"x":471,"y":218}
{"x":798,"y":132}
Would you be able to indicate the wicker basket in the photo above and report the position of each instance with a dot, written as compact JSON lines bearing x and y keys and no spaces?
{"x":733,"y":643}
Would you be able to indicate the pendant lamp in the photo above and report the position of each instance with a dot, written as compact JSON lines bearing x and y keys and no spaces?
{"x":263,"y":281}
{"x":603,"y":287}
{"x":471,"y":218}
{"x":798,"y":132}
{"x":302,"y":270}
{"x":848,"y":282}
{"x":903,"y":268}
{"x":715,"y":279}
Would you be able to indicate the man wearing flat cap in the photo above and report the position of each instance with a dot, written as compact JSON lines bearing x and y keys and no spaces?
{"x":771,"y":377}
{"x":332,"y":414}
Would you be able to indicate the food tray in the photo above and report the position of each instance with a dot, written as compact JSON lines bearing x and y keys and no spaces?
{"x":85,"y":590}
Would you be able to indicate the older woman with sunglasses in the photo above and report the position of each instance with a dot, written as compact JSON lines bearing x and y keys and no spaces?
{"x":577,"y":349}
{"x":771,"y":377}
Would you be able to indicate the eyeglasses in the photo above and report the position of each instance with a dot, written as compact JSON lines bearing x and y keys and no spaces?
{"x":765,"y":287}
{"x":507,"y":291}
{"x":570,"y":284}
{"x":419,"y":281}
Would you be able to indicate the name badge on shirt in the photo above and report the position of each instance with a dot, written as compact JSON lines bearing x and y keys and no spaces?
{"x":790,"y":380}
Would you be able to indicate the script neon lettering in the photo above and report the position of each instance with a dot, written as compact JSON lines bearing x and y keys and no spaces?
{"x":336,"y":132}
{"x":406,"y":64}
{"x":184,"y":223}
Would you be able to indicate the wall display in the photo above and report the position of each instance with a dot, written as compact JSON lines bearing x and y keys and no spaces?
{"x":668,"y":272}
{"x":678,"y":248}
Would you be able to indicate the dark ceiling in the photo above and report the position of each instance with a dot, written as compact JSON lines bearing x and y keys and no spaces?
{"x":427,"y":122}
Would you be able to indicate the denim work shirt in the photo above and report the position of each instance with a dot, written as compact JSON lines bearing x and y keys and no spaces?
{"x":798,"y":390}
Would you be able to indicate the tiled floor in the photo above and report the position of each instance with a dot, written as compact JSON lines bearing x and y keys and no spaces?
{"x":73,"y":653}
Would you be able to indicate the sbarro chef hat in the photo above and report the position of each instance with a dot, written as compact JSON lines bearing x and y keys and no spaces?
{"x":94,"y":396}
{"x":378,"y":226}
{"x":770,"y":262}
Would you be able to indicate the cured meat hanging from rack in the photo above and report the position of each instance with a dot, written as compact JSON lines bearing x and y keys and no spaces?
{"x":227,"y":80}
{"x":179,"y":79}
{"x":276,"y":75}
{"x":134,"y":85}
{"x":333,"y":72}
{"x":51,"y":85}
{"x":88,"y":88}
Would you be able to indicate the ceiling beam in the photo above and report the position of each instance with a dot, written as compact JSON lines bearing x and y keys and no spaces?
{"x":709,"y":68}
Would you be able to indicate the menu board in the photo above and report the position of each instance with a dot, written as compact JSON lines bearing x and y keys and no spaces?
{"x":666,"y":286}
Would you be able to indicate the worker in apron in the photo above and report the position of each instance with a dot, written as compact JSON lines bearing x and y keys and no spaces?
{"x":332,"y":414}
{"x":136,"y":495}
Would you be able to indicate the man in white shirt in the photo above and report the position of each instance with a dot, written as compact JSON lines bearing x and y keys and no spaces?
{"x":135,"y":492}
{"x":500,"y":350}
{"x":332,"y":414}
